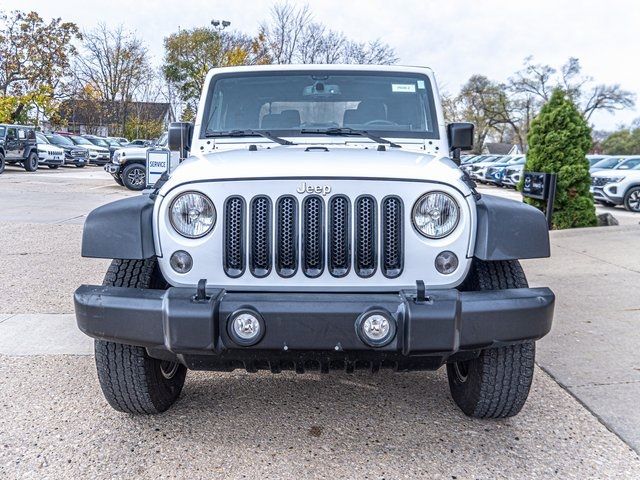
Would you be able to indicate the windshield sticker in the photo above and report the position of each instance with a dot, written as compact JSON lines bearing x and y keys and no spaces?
{"x":403,"y":88}
{"x":420,"y":84}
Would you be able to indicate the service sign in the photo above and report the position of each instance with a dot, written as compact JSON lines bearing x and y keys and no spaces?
{"x":157,"y":164}
{"x":536,"y":185}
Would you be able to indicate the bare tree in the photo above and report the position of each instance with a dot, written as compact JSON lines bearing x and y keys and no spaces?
{"x":292,"y":36}
{"x":115,"y":66}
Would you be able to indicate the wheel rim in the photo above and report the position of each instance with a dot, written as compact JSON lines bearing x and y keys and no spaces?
{"x":136,"y":177}
{"x":168,"y":369}
{"x":634,"y":201}
{"x":33,"y":163}
{"x":461,"y":369}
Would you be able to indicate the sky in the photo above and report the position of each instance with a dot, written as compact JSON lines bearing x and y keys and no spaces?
{"x":455,"y":38}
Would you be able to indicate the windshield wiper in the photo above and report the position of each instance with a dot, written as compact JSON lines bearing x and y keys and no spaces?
{"x":350,"y":131}
{"x":244,"y":133}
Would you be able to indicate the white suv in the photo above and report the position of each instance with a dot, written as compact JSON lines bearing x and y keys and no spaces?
{"x":620,"y":186}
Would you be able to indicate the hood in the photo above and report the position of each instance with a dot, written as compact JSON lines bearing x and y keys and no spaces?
{"x":304,"y":162}
{"x":133,"y":151}
{"x":50,"y":147}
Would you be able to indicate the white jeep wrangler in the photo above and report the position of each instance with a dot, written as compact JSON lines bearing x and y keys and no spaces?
{"x":317,"y":222}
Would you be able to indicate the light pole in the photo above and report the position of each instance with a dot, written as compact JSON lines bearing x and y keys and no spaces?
{"x":220,"y":25}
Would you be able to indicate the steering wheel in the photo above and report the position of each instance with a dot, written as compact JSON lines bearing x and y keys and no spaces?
{"x":380,"y":122}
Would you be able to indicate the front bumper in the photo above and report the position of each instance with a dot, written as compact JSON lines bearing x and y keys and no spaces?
{"x":312,"y":330}
{"x":607,"y":193}
{"x":112,"y":168}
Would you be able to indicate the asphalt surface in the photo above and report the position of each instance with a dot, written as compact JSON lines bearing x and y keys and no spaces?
{"x":54,"y":422}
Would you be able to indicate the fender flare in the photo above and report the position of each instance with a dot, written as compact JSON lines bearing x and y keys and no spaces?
{"x":510,"y":230}
{"x":122,"y":229}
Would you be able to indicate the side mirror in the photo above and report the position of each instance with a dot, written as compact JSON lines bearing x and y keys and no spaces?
{"x":179,"y":140}
{"x":460,"y":137}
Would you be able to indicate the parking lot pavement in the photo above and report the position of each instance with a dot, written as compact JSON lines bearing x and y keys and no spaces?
{"x":54,"y":422}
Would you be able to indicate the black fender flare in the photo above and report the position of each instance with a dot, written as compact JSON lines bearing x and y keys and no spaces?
{"x":122,"y":229}
{"x":510,"y":230}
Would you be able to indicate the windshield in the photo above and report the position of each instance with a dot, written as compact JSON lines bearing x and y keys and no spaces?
{"x":608,"y":162}
{"x":60,"y":140}
{"x":80,"y":140}
{"x":162,"y":141}
{"x":397,"y":105}
{"x":41,"y":138}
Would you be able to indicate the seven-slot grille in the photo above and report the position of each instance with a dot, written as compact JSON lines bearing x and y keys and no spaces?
{"x":313,"y":236}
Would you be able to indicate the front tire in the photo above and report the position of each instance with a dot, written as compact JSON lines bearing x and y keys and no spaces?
{"x":131,"y":380}
{"x":496,"y":384}
{"x":2,"y":163}
{"x":632,"y":199}
{"x":53,"y":167}
{"x":134,"y":176}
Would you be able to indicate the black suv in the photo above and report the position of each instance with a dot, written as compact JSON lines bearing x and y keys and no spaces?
{"x":73,"y":154}
{"x":18,"y":146}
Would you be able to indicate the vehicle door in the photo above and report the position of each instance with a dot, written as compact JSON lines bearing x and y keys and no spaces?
{"x":12,"y":144}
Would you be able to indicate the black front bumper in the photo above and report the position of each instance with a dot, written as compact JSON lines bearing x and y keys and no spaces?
{"x":313,"y":330}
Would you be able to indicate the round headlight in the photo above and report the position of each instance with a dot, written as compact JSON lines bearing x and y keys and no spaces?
{"x":192,"y":214}
{"x":436,"y":214}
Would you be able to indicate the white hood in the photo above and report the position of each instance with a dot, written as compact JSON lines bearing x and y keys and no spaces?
{"x":303,"y":162}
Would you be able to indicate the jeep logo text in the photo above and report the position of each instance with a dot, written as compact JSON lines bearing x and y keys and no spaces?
{"x":319,"y":189}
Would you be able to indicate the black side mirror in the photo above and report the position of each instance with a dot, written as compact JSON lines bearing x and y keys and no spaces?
{"x":179,"y":140}
{"x":460,"y":136}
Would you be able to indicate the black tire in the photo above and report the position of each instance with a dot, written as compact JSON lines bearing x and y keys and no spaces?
{"x":118,"y":180}
{"x":31,"y":163}
{"x":606,"y":204}
{"x":132,"y":381}
{"x":2,"y":164}
{"x":632,"y":199}
{"x":80,"y":165}
{"x":53,"y":167}
{"x":495,"y":384}
{"x":134,"y":176}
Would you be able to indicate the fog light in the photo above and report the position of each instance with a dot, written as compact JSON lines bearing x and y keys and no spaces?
{"x":376,"y":328}
{"x":246,"y":327}
{"x":181,"y":261}
{"x":446,"y":262}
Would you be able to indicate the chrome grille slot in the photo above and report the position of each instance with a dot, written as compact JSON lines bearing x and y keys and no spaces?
{"x":313,"y":236}
{"x":392,"y":237}
{"x":286,"y":236}
{"x":234,"y":237}
{"x":365,"y":232}
{"x":339,"y":236}
{"x":260,"y":237}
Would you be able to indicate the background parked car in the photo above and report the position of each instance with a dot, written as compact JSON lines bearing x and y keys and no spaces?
{"x":617,"y":187}
{"x":104,"y":143}
{"x":496,"y":172}
{"x":138,"y":142}
{"x":73,"y":154}
{"x":478,"y":169}
{"x":121,"y":140}
{"x":48,"y":154}
{"x":129,"y":165}
{"x":97,"y":155}
{"x":18,"y":147}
